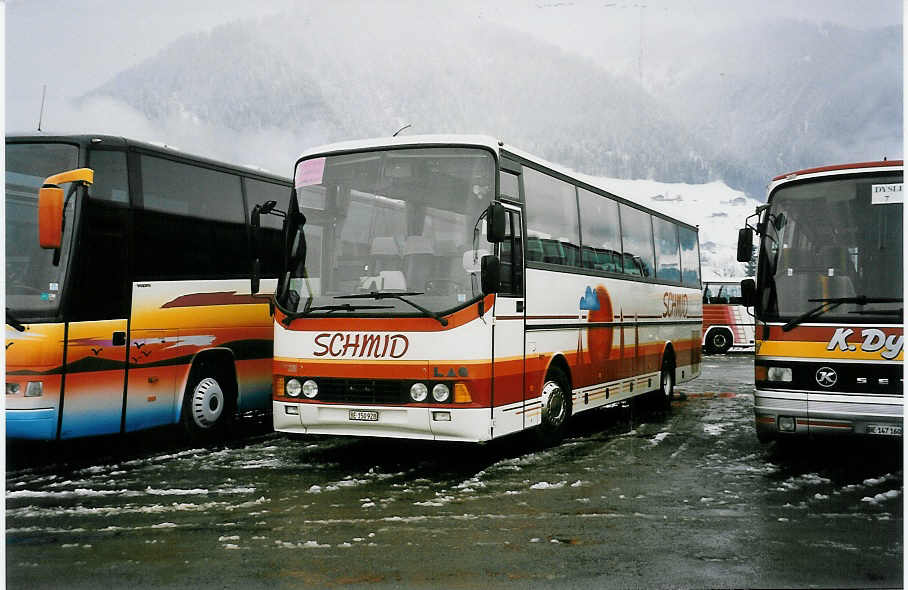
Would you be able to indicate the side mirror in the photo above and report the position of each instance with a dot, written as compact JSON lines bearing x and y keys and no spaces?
{"x":495,"y":223}
{"x":748,"y":293}
{"x":491,"y":274}
{"x":50,"y":217}
{"x":51,"y":205}
{"x":745,"y":244}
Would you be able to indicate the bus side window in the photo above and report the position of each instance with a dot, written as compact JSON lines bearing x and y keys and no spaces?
{"x":110,"y":176}
{"x":101,"y":269}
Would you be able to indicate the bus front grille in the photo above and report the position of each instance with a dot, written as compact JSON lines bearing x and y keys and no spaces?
{"x":362,"y":391}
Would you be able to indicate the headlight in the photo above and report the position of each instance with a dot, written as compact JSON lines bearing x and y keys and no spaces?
{"x":293,"y":387}
{"x":418,"y":392}
{"x":779,"y":374}
{"x":310,"y":388}
{"x":441,"y":392}
{"x":34,"y":389}
{"x":12,"y":388}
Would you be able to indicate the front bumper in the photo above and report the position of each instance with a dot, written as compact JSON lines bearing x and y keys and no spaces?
{"x":824,"y":413}
{"x":442,"y":424}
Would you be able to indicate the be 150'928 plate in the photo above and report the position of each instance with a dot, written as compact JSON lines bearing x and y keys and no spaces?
{"x":364,"y":415}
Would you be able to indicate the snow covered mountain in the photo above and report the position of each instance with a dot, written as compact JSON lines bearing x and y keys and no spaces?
{"x":258,"y":92}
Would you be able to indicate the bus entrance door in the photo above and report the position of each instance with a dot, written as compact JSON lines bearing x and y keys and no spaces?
{"x":508,"y":384}
{"x":96,"y":358}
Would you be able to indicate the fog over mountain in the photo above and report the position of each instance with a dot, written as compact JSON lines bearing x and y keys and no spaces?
{"x":741,"y":106}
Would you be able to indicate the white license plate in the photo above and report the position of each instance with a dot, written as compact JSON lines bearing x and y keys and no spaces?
{"x":364,"y":415}
{"x":884,"y":429}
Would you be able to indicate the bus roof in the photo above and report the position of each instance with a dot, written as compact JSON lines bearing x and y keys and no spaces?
{"x":483,"y":141}
{"x":837,"y":167}
{"x":85,"y":139}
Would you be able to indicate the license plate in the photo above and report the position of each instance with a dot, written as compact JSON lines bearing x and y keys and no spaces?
{"x":364,"y":415}
{"x":884,"y":429}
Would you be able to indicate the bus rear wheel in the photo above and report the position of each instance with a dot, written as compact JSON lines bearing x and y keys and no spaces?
{"x":666,"y":383}
{"x":718,"y":342}
{"x":556,"y":407}
{"x":207,"y":406}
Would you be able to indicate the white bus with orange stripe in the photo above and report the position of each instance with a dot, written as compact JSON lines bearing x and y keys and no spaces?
{"x":453,"y":288}
{"x":727,"y":323}
{"x":828,"y":302}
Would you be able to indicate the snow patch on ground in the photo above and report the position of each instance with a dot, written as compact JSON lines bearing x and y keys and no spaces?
{"x":544,"y":485}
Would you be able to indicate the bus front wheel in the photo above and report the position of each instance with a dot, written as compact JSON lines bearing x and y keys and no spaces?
{"x":207,"y":406}
{"x":718,"y":342}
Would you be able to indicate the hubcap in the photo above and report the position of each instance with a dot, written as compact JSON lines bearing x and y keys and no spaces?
{"x":719,"y":340}
{"x":667,"y":383}
{"x":553,"y":407}
{"x":207,"y":403}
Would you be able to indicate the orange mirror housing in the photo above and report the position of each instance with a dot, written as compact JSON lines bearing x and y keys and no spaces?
{"x":50,"y":205}
{"x":50,"y":216}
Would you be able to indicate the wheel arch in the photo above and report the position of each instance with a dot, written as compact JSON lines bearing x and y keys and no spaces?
{"x":668,"y":351}
{"x":560,"y":362}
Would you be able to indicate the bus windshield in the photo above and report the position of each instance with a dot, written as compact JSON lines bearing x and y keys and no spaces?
{"x":33,"y":284}
{"x":404,"y":221}
{"x":836,"y":242}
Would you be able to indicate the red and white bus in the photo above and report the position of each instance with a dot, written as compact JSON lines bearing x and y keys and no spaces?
{"x":828,"y":302}
{"x":127,"y":288}
{"x":454,"y":288}
{"x":727,"y":323}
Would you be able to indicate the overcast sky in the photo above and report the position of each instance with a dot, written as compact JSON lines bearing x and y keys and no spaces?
{"x":73,"y":47}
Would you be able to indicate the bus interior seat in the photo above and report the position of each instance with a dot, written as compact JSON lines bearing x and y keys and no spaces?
{"x":419,"y":261}
{"x":534,"y":249}
{"x":836,"y":277}
{"x":552,"y":252}
{"x":571,"y":252}
{"x":385,"y":255}
{"x":447,"y":259}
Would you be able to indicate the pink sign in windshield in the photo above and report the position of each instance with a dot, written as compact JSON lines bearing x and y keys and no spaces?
{"x":310,"y":172}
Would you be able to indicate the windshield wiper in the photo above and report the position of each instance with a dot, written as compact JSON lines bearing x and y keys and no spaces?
{"x":400,"y":296}
{"x":329,"y":308}
{"x":14,"y":323}
{"x":830,"y":303}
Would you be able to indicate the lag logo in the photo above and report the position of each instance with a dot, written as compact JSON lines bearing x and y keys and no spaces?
{"x":826,"y":376}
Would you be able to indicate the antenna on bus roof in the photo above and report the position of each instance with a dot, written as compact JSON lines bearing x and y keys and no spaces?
{"x":41,"y":115}
{"x":401,"y":129}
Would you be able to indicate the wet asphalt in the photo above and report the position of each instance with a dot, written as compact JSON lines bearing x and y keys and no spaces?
{"x":632,"y":498}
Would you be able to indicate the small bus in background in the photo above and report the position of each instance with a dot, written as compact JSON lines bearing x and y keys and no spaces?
{"x":127,"y":288}
{"x":828,"y":302}
{"x":454,"y":288}
{"x":727,"y":323}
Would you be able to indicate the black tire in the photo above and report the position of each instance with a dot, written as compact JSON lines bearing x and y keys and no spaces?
{"x":208,"y":405}
{"x":667,"y":383}
{"x":718,"y":342}
{"x":556,"y":407}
